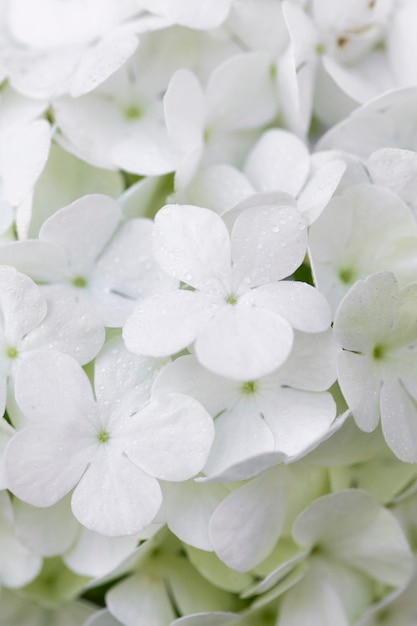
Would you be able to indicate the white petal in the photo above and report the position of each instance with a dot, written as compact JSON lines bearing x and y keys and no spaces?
{"x":41,"y":260}
{"x":319,"y":189}
{"x":22,"y":304}
{"x":395,"y":169}
{"x":248,"y":468}
{"x":70,"y":326}
{"x":299,"y":418}
{"x":185,"y":110}
{"x":278,"y":161}
{"x":240,"y":92}
{"x":192,"y":244}
{"x":80,"y":179}
{"x":247,"y":524}
{"x":399,"y":419}
{"x":219,"y":187}
{"x":141,"y":600}
{"x":244,"y":342}
{"x":48,"y":531}
{"x":82,"y":228}
{"x":96,"y":555}
{"x":43,"y":464}
{"x":164,"y":324}
{"x":52,"y":388}
{"x":127,"y":271}
{"x":312,"y":364}
{"x":186,"y":375}
{"x":268,"y":244}
{"x":23,"y":161}
{"x":365,"y":315}
{"x":173,"y":437}
{"x":357,"y":530}
{"x":118,"y":372}
{"x":360,"y":383}
{"x":101,"y":60}
{"x":146,"y":150}
{"x":115,"y":497}
{"x":18,"y":564}
{"x":304,"y":307}
{"x":312,"y":602}
{"x":241,"y":433}
{"x":188,"y":507}
{"x":206,"y":14}
{"x":81,"y":122}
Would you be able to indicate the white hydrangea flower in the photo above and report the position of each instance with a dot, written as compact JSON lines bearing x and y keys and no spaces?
{"x":71,"y":48}
{"x":217,"y":124}
{"x":31,"y":322}
{"x":376,"y":327}
{"x":364,"y":230}
{"x":111,"y":450}
{"x":352,"y":540}
{"x":286,"y":411}
{"x":85,"y":252}
{"x":238,"y":314}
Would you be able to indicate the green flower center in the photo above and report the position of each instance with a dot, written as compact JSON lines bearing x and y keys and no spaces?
{"x":346,"y":275}
{"x":103,"y":436}
{"x":378,"y":353}
{"x":249,"y":387}
{"x":133,"y":112}
{"x":11,"y":352}
{"x":79,"y":281}
{"x":231,"y":299}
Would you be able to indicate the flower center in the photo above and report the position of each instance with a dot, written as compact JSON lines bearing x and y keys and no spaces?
{"x":11,"y":352}
{"x":79,"y":281}
{"x":132,"y":112}
{"x":249,"y":387}
{"x":231,"y":299}
{"x":378,"y":353}
{"x":103,"y":436}
{"x":346,"y":275}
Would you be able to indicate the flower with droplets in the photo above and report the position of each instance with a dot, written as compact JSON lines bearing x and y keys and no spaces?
{"x":236,"y":310}
{"x":112,"y":450}
{"x":376,"y":327}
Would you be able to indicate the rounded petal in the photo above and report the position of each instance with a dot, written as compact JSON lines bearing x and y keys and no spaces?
{"x":244,"y":342}
{"x":101,"y":60}
{"x":52,"y":388}
{"x":366,"y":314}
{"x":188,"y":507}
{"x":172,"y":437}
{"x":399,"y":419}
{"x":360,"y":382}
{"x":304,"y":307}
{"x":240,"y":92}
{"x":21,"y":303}
{"x":268,"y":244}
{"x":82,"y":229}
{"x":248,"y":523}
{"x":192,"y":244}
{"x":42,"y":464}
{"x":299,"y":418}
{"x":115,"y":497}
{"x":241,"y":433}
{"x":70,"y":326}
{"x":164,"y":324}
{"x":278,"y":161}
{"x":184,"y":108}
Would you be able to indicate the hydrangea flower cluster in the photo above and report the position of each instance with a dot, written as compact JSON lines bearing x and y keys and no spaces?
{"x":208,"y":313}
